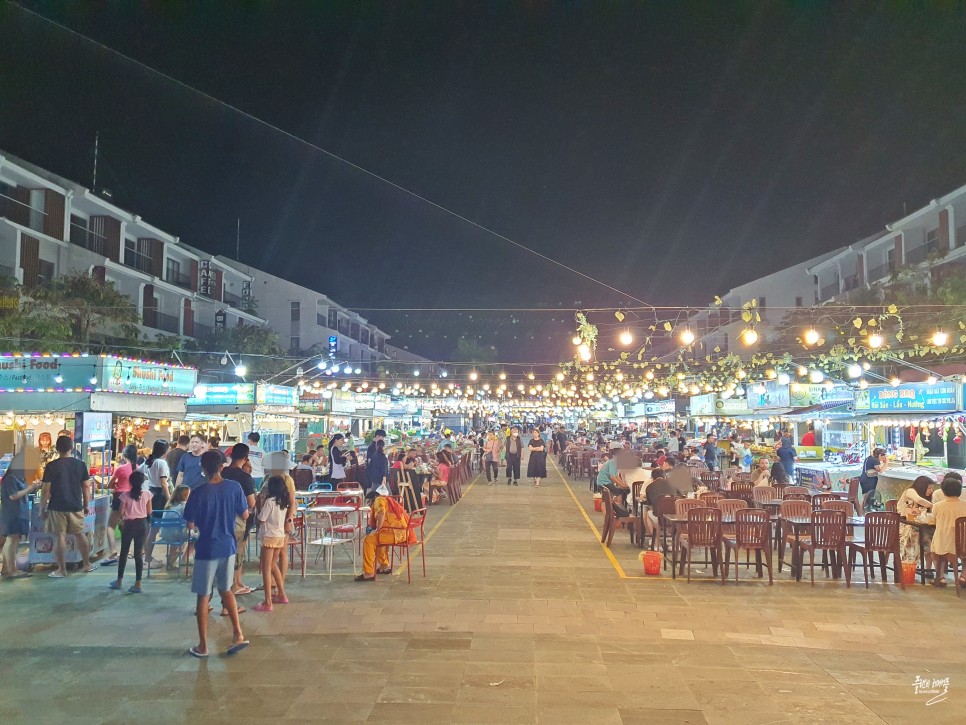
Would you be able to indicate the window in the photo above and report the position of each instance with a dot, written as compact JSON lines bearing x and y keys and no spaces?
{"x":294,"y":344}
{"x":761,"y":304}
{"x":320,"y":313}
{"x":295,"y":313}
{"x":364,"y":337}
{"x":45,"y":271}
{"x":354,"y":331}
{"x":38,"y":208}
{"x":798,"y":301}
{"x":333,"y":319}
{"x":137,"y":254}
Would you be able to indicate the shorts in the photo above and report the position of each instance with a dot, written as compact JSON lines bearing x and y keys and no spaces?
{"x":241,"y":541}
{"x":15,"y":527}
{"x":65,"y":522}
{"x":208,"y":572}
{"x":274,"y":542}
{"x":115,"y":501}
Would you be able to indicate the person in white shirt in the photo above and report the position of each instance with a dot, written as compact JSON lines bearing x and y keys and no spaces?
{"x":256,"y":457}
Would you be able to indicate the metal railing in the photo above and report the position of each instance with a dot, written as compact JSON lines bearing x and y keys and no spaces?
{"x":178,"y":279}
{"x":232,"y":300}
{"x":881,"y":272}
{"x":829,"y":291}
{"x":137,"y":260}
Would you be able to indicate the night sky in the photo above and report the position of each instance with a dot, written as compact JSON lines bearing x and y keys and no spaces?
{"x":673,"y":150}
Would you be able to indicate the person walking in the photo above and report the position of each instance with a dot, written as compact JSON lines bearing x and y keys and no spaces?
{"x":491,"y":457}
{"x":135,"y":515}
{"x":212,"y":508}
{"x":514,"y":452}
{"x":173,"y":456}
{"x":272,"y":537}
{"x":65,"y":500}
{"x":537,"y":462}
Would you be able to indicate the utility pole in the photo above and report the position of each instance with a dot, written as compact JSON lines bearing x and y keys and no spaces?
{"x":238,"y":239}
{"x":97,"y":137}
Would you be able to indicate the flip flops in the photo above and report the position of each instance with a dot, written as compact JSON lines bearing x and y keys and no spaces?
{"x":383,"y":571}
{"x":262,"y":607}
{"x":21,"y":575}
{"x":195,"y":653}
{"x":279,"y":600}
{"x":243,"y":591}
{"x":135,"y":590}
{"x":91,"y":568}
{"x":224,"y":612}
{"x":238,"y":647}
{"x":115,"y":586}
{"x":110,"y":561}
{"x":56,"y":575}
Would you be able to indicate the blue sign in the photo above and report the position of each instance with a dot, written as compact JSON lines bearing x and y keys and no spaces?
{"x":279,"y":395}
{"x":333,"y":344}
{"x":120,"y":375}
{"x":943,"y":397}
{"x":223,"y":394}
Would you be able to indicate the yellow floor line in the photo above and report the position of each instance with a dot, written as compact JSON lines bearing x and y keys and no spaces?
{"x":405,"y":565}
{"x":610,"y":555}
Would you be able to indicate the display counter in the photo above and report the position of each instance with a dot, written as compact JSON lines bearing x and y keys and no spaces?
{"x":95,"y":523}
{"x":836,"y":475}
{"x":897,"y":478}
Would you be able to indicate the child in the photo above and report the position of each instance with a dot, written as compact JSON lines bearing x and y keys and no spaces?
{"x":271,"y":535}
{"x":944,"y":539}
{"x":135,"y":516}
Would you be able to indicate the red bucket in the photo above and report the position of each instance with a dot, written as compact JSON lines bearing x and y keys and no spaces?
{"x":652,"y":562}
{"x":597,"y":504}
{"x":909,"y":572}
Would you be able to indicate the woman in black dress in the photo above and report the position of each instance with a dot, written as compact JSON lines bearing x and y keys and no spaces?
{"x":537,"y":464}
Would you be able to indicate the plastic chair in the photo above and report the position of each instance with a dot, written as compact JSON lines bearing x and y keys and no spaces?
{"x":752,"y":532}
{"x":296,"y":543}
{"x":891,"y":505}
{"x":796,"y":510}
{"x":795,"y":491}
{"x":328,"y":542}
{"x":172,"y":531}
{"x":882,"y":537}
{"x":303,"y":478}
{"x":320,"y":486}
{"x":703,"y":531}
{"x":855,"y":496}
{"x":760,"y":494}
{"x":611,"y":521}
{"x":828,"y":535}
{"x":819,"y":500}
{"x":417,"y":521}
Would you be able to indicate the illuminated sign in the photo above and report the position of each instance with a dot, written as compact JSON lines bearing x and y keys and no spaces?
{"x":131,"y":376}
{"x":223,"y":394}
{"x":943,"y":397}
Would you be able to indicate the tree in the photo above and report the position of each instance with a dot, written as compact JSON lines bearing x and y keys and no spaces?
{"x":469,"y":350}
{"x":94,"y":310}
{"x":27,"y":323}
{"x":259,"y":342}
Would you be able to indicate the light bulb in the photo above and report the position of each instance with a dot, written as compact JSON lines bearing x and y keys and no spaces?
{"x":560,"y":376}
{"x":895,"y":382}
{"x":576,"y":340}
{"x":749,"y":336}
{"x":816,"y":376}
{"x":932,"y":380}
{"x":93,"y":380}
{"x":322,"y":365}
{"x":863,"y":384}
{"x":855,"y":371}
{"x":358,"y":371}
{"x":58,"y":378}
{"x":875,"y":341}
{"x":530,"y":376}
{"x":811,"y":336}
{"x":802,"y":371}
{"x":443,"y":374}
{"x":940,"y":338}
{"x":687,"y":337}
{"x":241,"y":370}
{"x":474,"y":375}
{"x":626,"y":338}
{"x":783,"y":379}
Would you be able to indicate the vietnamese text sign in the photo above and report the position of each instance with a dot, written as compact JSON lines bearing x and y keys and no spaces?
{"x":703,"y":404}
{"x":223,"y":394}
{"x":42,"y":373}
{"x":281,"y":396}
{"x":943,"y":397}
{"x":768,"y":396}
{"x":805,"y":395}
{"x":131,"y":376}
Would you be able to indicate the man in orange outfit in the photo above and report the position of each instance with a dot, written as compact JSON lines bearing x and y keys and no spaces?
{"x":388,"y":524}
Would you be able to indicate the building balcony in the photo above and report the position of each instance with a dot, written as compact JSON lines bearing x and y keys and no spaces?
{"x":881,"y":272}
{"x":178,"y":279}
{"x":232,"y":300}
{"x":162,"y":321}
{"x":829,"y":291}
{"x":137,"y":260}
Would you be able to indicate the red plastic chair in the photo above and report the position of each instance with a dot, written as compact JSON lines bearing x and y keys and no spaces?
{"x":417,"y":521}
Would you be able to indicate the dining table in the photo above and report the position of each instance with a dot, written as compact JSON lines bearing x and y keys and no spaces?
{"x":676,"y":520}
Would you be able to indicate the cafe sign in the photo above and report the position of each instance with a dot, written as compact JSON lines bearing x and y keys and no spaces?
{"x":943,"y":397}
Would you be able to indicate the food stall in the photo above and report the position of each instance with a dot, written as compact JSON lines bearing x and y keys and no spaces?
{"x":912,"y":421}
{"x":82,"y":396}
{"x":232,"y":410}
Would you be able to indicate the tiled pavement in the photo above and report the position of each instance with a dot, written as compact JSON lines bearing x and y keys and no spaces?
{"x":522,"y":618}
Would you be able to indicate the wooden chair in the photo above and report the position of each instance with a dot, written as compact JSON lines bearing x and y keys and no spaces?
{"x":882,"y":537}
{"x":303,"y":478}
{"x":728,"y":506}
{"x":819,"y":500}
{"x":703,"y":531}
{"x":792,"y":509}
{"x":710,"y":498}
{"x":960,"y":549}
{"x":827,"y":535}
{"x":612,"y":521}
{"x":760,"y":494}
{"x":891,"y":504}
{"x":855,"y":496}
{"x":711,"y":479}
{"x":794,"y":491}
{"x":752,"y":532}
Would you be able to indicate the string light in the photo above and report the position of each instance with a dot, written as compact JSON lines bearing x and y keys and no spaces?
{"x":749,"y":336}
{"x":940,"y":338}
{"x":811,"y":336}
{"x":687,"y":337}
{"x":626,"y":338}
{"x":875,"y":341}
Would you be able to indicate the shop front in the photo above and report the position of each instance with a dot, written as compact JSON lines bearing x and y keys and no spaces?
{"x":230,"y":411}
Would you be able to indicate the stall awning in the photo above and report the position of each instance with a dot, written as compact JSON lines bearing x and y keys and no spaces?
{"x":828,"y":409}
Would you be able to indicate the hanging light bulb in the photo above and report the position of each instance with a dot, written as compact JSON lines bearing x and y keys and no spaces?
{"x":530,"y":376}
{"x":626,"y":338}
{"x":855,"y":371}
{"x":576,"y":340}
{"x":802,"y":371}
{"x":749,"y":336}
{"x":241,"y":370}
{"x":560,"y":377}
{"x":875,"y":341}
{"x":863,"y":384}
{"x":783,"y":379}
{"x":932,"y":380}
{"x":811,"y":336}
{"x":687,"y":337}
{"x":816,"y":376}
{"x":474,"y":375}
{"x":940,"y":338}
{"x":895,"y":382}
